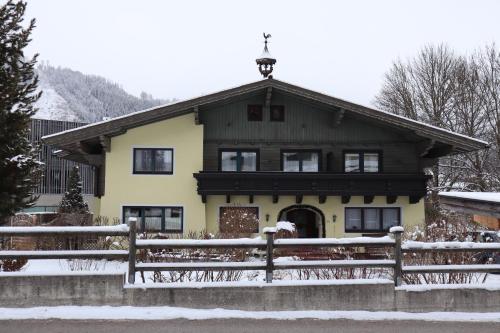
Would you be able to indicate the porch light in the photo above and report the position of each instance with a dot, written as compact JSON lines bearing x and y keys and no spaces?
{"x":334,"y":218}
{"x":267,"y":217}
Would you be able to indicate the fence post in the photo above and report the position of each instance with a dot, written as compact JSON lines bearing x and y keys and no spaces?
{"x":132,"y":224}
{"x":397,"y":231}
{"x":269,"y":255}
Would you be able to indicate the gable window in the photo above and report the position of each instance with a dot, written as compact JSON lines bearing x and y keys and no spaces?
{"x":159,"y":219}
{"x":371,"y":219}
{"x":301,"y":161}
{"x":238,"y":160}
{"x":239,"y":219}
{"x":254,"y":112}
{"x":277,"y":113}
{"x":362,"y":161}
{"x":153,"y":161}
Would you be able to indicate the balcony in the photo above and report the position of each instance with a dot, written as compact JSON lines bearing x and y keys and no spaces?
{"x":322,"y":185}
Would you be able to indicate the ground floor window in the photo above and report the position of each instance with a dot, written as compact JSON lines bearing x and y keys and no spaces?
{"x":160,"y":219}
{"x":371,"y":219}
{"x":239,"y":219}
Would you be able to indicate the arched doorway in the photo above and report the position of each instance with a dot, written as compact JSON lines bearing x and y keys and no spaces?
{"x":309,"y":221}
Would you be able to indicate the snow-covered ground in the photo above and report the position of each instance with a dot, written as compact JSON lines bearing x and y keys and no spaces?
{"x":165,"y":313}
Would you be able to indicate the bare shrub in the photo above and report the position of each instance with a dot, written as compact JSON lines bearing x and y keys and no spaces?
{"x":238,"y":221}
{"x":442,"y":229}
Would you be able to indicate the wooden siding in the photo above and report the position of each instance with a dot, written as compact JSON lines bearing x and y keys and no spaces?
{"x":306,"y":126}
{"x":56,"y":170}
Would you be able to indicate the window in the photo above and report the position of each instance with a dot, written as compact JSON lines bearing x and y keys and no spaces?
{"x":362,"y":162}
{"x":277,"y":113}
{"x":254,"y":112}
{"x":239,"y":220}
{"x":156,"y":219}
{"x":238,"y":160}
{"x":300,"y":161}
{"x":153,"y":161}
{"x":371,"y":219}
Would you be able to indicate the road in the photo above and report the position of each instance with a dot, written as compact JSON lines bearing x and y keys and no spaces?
{"x":241,"y":325}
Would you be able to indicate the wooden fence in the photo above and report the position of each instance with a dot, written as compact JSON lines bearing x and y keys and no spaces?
{"x":268,"y":245}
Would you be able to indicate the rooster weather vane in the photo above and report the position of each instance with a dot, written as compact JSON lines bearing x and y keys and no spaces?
{"x":266,"y":61}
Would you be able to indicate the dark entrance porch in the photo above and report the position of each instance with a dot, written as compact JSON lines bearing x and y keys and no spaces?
{"x":309,"y":221}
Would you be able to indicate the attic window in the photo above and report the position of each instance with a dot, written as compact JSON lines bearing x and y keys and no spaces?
{"x":254,"y":112}
{"x":277,"y":113}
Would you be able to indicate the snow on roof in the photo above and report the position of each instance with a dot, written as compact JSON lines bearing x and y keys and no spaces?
{"x":235,"y":87}
{"x":477,"y":196}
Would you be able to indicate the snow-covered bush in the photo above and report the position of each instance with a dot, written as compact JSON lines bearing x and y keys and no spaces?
{"x":441,"y":229}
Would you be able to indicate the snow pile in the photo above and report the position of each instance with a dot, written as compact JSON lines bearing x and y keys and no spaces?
{"x":478,"y":196}
{"x":285,"y":225}
{"x":449,"y":245}
{"x":396,"y":229}
{"x":166,"y":313}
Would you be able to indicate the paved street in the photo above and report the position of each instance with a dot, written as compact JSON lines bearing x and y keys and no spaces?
{"x":241,"y":325}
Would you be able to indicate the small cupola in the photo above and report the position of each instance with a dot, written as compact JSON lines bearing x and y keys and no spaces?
{"x":266,"y":61}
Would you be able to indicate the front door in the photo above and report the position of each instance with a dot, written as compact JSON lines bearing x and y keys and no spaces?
{"x":305,"y":221}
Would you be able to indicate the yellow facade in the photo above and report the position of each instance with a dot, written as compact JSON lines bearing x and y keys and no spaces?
{"x":123,"y":188}
{"x":411,"y":214}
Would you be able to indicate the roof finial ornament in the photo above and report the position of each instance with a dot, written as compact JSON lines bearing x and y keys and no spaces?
{"x":266,"y":61}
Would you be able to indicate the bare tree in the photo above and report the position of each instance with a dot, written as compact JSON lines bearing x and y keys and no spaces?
{"x":458,"y":93}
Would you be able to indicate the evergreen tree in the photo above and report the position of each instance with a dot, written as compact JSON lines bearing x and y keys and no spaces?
{"x":72,"y":201}
{"x":19,"y":167}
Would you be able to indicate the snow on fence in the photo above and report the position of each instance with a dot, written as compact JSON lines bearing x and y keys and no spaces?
{"x":269,"y":244}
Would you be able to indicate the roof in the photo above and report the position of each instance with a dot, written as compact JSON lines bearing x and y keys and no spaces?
{"x":119,"y":125}
{"x":477,"y":203}
{"x":491,"y":197}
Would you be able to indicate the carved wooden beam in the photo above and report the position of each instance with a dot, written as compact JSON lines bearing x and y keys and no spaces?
{"x":250,"y":198}
{"x":276,"y":198}
{"x":203,"y":198}
{"x":390,"y":199}
{"x":337,"y":118}
{"x":346,"y":199}
{"x":425,"y":147}
{"x":196,"y":111}
{"x":105,"y":143}
{"x":368,"y":199}
{"x":414,"y":199}
{"x":322,"y":199}
{"x":94,"y":159}
{"x":269,"y":95}
{"x":298,"y":199}
{"x":228,"y":198}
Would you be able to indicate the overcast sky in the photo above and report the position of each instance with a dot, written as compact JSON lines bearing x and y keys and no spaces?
{"x":186,"y":48}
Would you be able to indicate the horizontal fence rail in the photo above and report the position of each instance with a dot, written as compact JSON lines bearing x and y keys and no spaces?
{"x":65,"y":232}
{"x":267,"y":245}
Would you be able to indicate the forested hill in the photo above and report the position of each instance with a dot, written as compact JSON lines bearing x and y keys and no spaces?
{"x":74,"y":96}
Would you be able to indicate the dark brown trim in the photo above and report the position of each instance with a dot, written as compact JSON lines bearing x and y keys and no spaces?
{"x":238,"y":151}
{"x":361,"y":153}
{"x":381,"y":218}
{"x":163,"y":224}
{"x":320,"y":159}
{"x":154,"y":172}
{"x":308,"y":207}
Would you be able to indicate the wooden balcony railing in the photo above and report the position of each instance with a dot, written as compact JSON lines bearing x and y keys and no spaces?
{"x":319,"y":184}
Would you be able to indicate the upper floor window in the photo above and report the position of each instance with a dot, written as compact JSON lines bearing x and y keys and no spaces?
{"x":277,"y":113}
{"x":238,"y":160}
{"x":160,"y":219}
{"x":301,"y":161}
{"x":254,"y":112}
{"x":371,"y":219}
{"x":359,"y":161}
{"x":153,"y":160}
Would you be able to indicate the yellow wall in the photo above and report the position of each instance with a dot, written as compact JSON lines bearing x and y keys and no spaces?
{"x":123,"y":188}
{"x":411,"y":214}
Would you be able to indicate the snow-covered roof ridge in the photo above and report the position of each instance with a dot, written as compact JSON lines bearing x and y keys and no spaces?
{"x":476,"y":196}
{"x":186,"y":106}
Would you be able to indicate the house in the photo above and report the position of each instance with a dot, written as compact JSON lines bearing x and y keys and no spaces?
{"x":56,"y":170}
{"x":483,"y":206}
{"x":276,"y":150}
